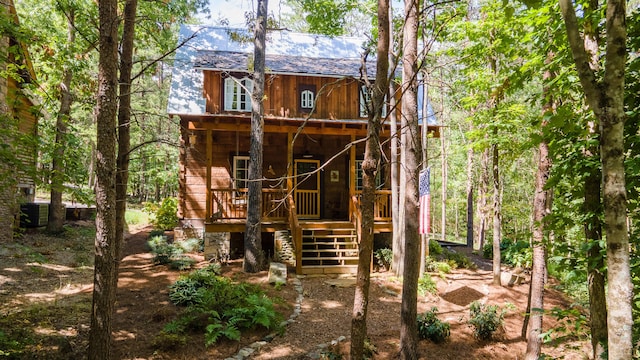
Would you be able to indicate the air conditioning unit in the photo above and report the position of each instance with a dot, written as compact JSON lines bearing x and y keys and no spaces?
{"x":34,"y":215}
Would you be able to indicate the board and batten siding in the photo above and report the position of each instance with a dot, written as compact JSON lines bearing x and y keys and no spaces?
{"x":335,"y":98}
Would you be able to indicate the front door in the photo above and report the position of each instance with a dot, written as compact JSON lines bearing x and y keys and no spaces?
{"x":307,"y":188}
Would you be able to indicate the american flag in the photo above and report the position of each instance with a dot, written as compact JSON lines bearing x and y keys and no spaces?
{"x":425,"y":201}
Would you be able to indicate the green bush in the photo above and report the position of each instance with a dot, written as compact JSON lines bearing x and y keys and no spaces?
{"x":434,"y":248}
{"x":457,"y":259}
{"x":514,"y":253}
{"x":162,"y":251}
{"x":430,"y":327}
{"x":219,"y":307}
{"x":485,"y":319}
{"x":192,"y":245}
{"x":441,"y":267}
{"x":384,"y":257}
{"x":164,"y":216}
{"x":427,"y":285}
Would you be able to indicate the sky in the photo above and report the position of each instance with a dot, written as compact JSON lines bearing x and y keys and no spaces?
{"x":234,"y":10}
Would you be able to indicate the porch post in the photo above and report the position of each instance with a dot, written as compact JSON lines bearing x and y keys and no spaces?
{"x":289,"y":162}
{"x":209,"y":163}
{"x":352,"y":175}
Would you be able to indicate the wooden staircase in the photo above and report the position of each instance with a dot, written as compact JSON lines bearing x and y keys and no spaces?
{"x":328,"y":247}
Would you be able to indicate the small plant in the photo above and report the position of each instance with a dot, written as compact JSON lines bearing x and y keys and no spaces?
{"x":485,"y":319}
{"x":384,"y":257}
{"x":191,"y":245}
{"x":181,"y":262}
{"x":461,"y":260}
{"x":430,"y":327}
{"x":162,"y":251}
{"x":427,"y":285}
{"x":434,"y":248}
{"x":165,"y":216}
{"x":441,"y":267}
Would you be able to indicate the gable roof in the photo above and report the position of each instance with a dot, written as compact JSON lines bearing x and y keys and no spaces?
{"x":215,"y":48}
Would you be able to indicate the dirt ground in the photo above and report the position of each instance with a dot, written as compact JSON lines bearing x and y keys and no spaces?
{"x":45,"y":302}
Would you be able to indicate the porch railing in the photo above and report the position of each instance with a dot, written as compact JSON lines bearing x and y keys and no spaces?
{"x":381,"y":205}
{"x":232,"y":204}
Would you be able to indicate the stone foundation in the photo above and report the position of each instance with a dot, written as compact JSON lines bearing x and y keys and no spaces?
{"x":217,"y":246}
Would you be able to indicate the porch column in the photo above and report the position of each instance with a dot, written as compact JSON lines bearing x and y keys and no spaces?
{"x":352,"y":175}
{"x":208,"y":172}
{"x":289,"y":162}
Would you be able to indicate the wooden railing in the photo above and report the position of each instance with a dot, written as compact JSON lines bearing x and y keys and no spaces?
{"x":356,"y":215}
{"x":381,"y":205}
{"x":232,"y":204}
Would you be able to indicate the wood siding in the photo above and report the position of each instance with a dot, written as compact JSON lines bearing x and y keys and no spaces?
{"x":335,"y":98}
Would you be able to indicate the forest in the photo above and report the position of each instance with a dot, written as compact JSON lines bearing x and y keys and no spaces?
{"x":536,"y":166}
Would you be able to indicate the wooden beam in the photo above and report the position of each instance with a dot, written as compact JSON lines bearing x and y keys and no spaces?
{"x":352,"y":175}
{"x":208,"y":173}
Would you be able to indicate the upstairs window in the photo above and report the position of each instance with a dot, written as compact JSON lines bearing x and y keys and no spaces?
{"x":237,"y":94}
{"x":365,"y":101}
{"x":306,"y":99}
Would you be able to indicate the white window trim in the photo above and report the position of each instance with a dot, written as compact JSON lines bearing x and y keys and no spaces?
{"x":240,"y":183}
{"x":237,"y":94}
{"x":365,"y":100}
{"x":307,"y":99}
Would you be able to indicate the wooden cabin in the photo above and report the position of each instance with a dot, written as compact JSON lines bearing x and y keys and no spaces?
{"x":315,"y":121}
{"x":19,"y":124}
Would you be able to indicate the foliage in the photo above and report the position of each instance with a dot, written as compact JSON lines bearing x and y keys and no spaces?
{"x":485,"y":319}
{"x":570,"y":323}
{"x":384,"y":257}
{"x":459,"y":259}
{"x":164,"y":216}
{"x":434,"y":248}
{"x":162,"y":251}
{"x":192,"y":245}
{"x":8,"y":346}
{"x":432,"y":328}
{"x":514,"y":253}
{"x":219,"y":307}
{"x":136,"y":217}
{"x":441,"y":267}
{"x":426,"y":284}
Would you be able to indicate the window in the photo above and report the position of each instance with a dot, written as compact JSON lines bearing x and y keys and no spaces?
{"x":237,"y":94}
{"x":307,"y":96}
{"x":240,"y":172}
{"x":365,"y":100}
{"x":306,"y":99}
{"x":359,"y":175}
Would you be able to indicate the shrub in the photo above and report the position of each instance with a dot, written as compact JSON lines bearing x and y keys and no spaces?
{"x":434,"y":248}
{"x":192,"y":245}
{"x":219,"y":307}
{"x":384,"y":257}
{"x":162,"y":251}
{"x":441,"y":267}
{"x":485,"y":319}
{"x":457,"y":259}
{"x":165,"y":216}
{"x":430,"y":327}
{"x":426,"y":285}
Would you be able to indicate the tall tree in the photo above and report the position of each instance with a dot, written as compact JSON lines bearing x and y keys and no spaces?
{"x":605,"y":98}
{"x":370,"y":168}
{"x":411,"y":143}
{"x":57,"y":211}
{"x":541,"y":207}
{"x":253,"y":254}
{"x":105,"y":273}
{"x":124,"y":119}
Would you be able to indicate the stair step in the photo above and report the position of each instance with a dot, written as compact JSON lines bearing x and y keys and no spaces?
{"x":345,"y":258}
{"x":328,"y":250}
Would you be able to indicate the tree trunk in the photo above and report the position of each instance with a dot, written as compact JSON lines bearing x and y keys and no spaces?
{"x":497,"y":216}
{"x":443,"y":151}
{"x":124,"y":120}
{"x":397,"y":264}
{"x":469,"y":192}
{"x":411,"y":142}
{"x":57,"y":211}
{"x":370,"y":168}
{"x":541,"y":206}
{"x":254,"y":260}
{"x":483,"y":209}
{"x":105,"y":275}
{"x":595,"y":262}
{"x":606,"y":100}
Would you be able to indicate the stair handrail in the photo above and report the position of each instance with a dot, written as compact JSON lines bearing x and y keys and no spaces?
{"x":296,"y":233}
